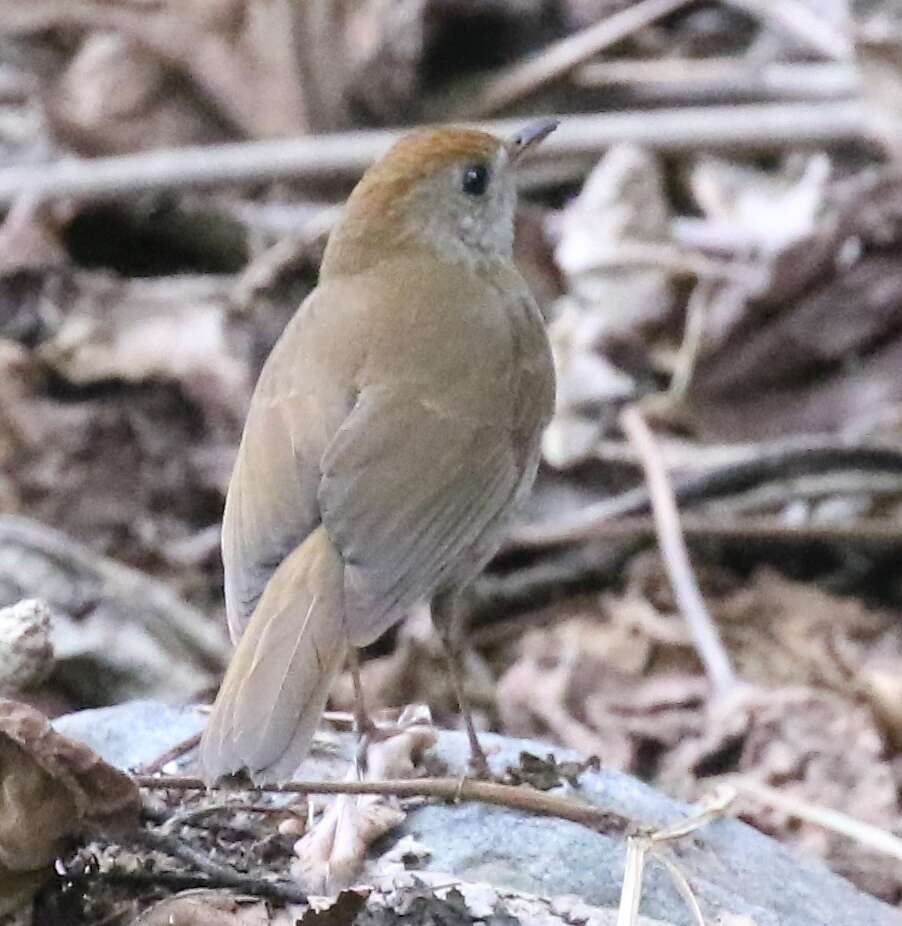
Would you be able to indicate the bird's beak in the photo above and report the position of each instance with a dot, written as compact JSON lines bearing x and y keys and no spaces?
{"x":529,"y":137}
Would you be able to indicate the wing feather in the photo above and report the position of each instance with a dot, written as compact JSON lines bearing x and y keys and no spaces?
{"x":436,"y":482}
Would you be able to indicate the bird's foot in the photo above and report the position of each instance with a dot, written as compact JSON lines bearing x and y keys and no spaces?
{"x":478,"y":764}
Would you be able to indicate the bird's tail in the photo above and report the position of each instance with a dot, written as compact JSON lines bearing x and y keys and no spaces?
{"x":276,"y":686}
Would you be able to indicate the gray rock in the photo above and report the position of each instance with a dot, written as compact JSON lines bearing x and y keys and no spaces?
{"x":129,"y":735}
{"x":732,"y":868}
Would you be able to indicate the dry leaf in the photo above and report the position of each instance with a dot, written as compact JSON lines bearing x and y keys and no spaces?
{"x":116,"y":96}
{"x":144,"y":330}
{"x":331,"y":855}
{"x":239,"y":54}
{"x":813,"y":744}
{"x":29,"y":238}
{"x":50,"y":788}
{"x":621,"y":205}
{"x":213,"y":908}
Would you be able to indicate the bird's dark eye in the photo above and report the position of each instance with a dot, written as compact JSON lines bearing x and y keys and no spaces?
{"x":476,"y":179}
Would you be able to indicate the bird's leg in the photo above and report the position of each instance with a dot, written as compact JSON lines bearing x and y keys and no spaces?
{"x":448,"y":621}
{"x":363,"y":724}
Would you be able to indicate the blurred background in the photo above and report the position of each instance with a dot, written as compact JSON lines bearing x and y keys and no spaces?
{"x":715,"y":237}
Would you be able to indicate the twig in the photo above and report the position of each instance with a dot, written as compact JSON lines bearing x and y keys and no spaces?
{"x":449,"y":789}
{"x":559,"y":58}
{"x":884,"y":531}
{"x":191,"y":817}
{"x":171,"y":880}
{"x":219,"y":875}
{"x":802,"y":24}
{"x":872,"y":837}
{"x":344,"y":156}
{"x":676,"y":557}
{"x":811,"y":454}
{"x":693,"y":81}
{"x":811,"y":488}
{"x":640,"y":847}
{"x":178,"y":750}
{"x":680,"y":261}
{"x":696,"y":315}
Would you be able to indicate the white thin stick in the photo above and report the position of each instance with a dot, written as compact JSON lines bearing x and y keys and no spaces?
{"x":631,"y":890}
{"x":802,"y":24}
{"x":865,"y":834}
{"x":694,"y":79}
{"x":689,"y":599}
{"x":693,"y":336}
{"x":682,"y":886}
{"x":344,"y":156}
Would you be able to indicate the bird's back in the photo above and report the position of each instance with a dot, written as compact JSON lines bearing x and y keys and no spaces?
{"x":485,"y":361}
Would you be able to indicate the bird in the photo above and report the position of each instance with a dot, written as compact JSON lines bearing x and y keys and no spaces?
{"x":392,"y":433}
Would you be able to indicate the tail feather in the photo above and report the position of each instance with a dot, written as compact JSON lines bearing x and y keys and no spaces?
{"x":276,"y":686}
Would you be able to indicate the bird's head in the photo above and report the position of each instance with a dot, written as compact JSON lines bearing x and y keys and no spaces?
{"x":450,"y":191}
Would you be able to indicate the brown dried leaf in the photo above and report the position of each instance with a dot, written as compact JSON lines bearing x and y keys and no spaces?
{"x":29,"y":238}
{"x":16,"y":890}
{"x":173,"y":329}
{"x":622,"y":204}
{"x":213,"y":908}
{"x":239,"y":54}
{"x":116,"y":97}
{"x":783,"y":632}
{"x":816,"y":745}
{"x":50,"y":787}
{"x":64,"y":771}
{"x":335,"y":912}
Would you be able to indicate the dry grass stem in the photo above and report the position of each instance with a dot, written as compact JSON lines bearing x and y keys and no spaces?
{"x":871,"y":837}
{"x":676,"y":557}
{"x":641,"y":847}
{"x":802,"y":24}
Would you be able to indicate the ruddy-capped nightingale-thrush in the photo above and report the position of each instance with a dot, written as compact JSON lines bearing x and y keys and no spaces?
{"x":394,"y":428}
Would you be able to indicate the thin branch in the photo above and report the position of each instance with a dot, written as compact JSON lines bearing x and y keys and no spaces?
{"x":693,"y":336}
{"x":810,"y":29}
{"x":449,"y":789}
{"x":559,"y":58}
{"x":865,"y":834}
{"x":176,"y":752}
{"x":883,"y":531}
{"x":694,"y":81}
{"x":676,"y":558}
{"x":344,"y":156}
{"x":758,"y":463}
{"x":219,"y":875}
{"x":194,"y":816}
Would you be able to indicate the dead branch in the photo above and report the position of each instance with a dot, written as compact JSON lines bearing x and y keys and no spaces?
{"x":778,"y":460}
{"x":693,"y":81}
{"x":178,"y":750}
{"x":676,"y":557}
{"x":558,"y":59}
{"x":804,"y":25}
{"x":218,"y":875}
{"x":449,"y":789}
{"x":344,"y":156}
{"x":873,"y":531}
